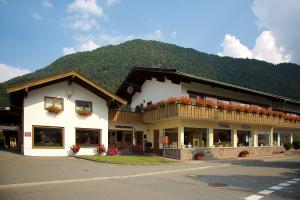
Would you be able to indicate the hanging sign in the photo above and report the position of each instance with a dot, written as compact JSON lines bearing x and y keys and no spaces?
{"x":164,"y":140}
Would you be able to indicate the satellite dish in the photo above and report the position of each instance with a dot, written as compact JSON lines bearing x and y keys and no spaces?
{"x":130,"y":89}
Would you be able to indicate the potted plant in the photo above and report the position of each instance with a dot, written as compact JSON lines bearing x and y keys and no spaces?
{"x":199,"y":156}
{"x":54,"y":109}
{"x":101,"y":149}
{"x":83,"y":112}
{"x":75,"y":148}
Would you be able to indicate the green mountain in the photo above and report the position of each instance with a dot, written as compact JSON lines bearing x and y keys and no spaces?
{"x":109,"y":66}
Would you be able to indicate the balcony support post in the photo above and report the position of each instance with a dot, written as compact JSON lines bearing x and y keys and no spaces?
{"x":291,"y":138}
{"x":180,"y":136}
{"x":234,"y":137}
{"x":278,"y":139}
{"x":210,"y":137}
{"x":271,"y":137}
{"x":255,"y":139}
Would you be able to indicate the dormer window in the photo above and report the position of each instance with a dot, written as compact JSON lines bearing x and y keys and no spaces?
{"x":83,"y":107}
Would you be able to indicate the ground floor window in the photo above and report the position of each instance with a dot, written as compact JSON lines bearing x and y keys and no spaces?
{"x":172,"y":134}
{"x":244,"y":138}
{"x":48,"y":136}
{"x":122,"y":139}
{"x":263,"y":139}
{"x":195,"y":137}
{"x":296,"y":137}
{"x":88,"y":137}
{"x":275,"y":139}
{"x":285,"y":138}
{"x":222,"y":138}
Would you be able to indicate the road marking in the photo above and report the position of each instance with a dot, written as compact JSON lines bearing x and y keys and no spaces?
{"x":266,"y":191}
{"x":17,"y":185}
{"x":296,"y":179}
{"x":291,"y":181}
{"x":254,"y":197}
{"x":276,"y":187}
{"x":284,"y":184}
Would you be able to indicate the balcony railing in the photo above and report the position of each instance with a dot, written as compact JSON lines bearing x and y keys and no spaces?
{"x":125,"y":117}
{"x":196,"y":112}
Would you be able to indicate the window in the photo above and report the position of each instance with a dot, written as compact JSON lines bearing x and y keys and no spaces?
{"x":83,"y":105}
{"x":48,"y":136}
{"x":244,"y":138}
{"x":87,"y":137}
{"x":195,"y":137}
{"x":172,"y":134}
{"x":275,"y":139}
{"x":222,"y":138}
{"x":263,"y":139}
{"x":54,"y":101}
{"x":285,"y":138}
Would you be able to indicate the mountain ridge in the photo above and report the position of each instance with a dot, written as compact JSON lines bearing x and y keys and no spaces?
{"x":117,"y":60}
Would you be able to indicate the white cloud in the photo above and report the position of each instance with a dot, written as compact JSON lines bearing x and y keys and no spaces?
{"x":282,"y":18}
{"x":80,"y":22}
{"x":8,"y":72}
{"x":234,"y":48}
{"x":88,"y":46}
{"x":68,"y":50}
{"x":86,"y":7}
{"x":36,"y":16}
{"x":174,"y":34}
{"x":105,"y":39}
{"x":156,"y":35}
{"x":47,"y":4}
{"x":112,"y":2}
{"x":265,"y":49}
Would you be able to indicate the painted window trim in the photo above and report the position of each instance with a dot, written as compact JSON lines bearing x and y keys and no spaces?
{"x":93,"y":129}
{"x":45,"y":147}
{"x":53,"y":99}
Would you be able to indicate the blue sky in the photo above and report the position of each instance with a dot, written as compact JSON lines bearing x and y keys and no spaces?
{"x":35,"y":33}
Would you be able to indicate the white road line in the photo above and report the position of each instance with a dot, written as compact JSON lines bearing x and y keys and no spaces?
{"x":296,"y":179}
{"x":266,"y":191}
{"x":16,"y":185}
{"x":284,"y":184}
{"x":276,"y":187}
{"x":254,"y":197}
{"x":291,"y":181}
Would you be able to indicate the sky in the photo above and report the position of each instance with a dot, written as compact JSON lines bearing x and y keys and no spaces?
{"x":34,"y":33}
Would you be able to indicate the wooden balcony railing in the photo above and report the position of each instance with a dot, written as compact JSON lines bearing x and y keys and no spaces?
{"x":125,"y":117}
{"x":196,"y":112}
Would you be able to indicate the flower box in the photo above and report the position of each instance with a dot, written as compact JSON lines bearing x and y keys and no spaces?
{"x":83,"y":112}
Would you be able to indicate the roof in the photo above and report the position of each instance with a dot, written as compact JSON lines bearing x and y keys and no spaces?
{"x":70,"y":76}
{"x":138,"y":75}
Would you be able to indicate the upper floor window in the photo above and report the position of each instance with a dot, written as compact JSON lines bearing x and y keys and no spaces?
{"x":83,"y":107}
{"x":54,"y":104}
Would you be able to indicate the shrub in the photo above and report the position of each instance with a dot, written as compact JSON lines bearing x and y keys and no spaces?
{"x":244,"y":153}
{"x":137,"y":150}
{"x":287,"y":146}
{"x":296,"y":145}
{"x":112,"y":151}
{"x":199,"y":156}
{"x":101,"y":148}
{"x":75,"y":148}
{"x":161,"y":104}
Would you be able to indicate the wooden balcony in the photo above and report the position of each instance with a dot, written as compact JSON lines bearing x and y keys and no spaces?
{"x":204,"y":113}
{"x":125,"y":117}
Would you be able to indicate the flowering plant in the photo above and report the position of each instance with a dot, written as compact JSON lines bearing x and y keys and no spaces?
{"x":101,"y":148}
{"x":185,"y":100}
{"x":53,"y":109}
{"x":137,"y":150}
{"x":161,"y":104}
{"x":75,"y":148}
{"x":112,"y":151}
{"x":84,"y":112}
{"x":171,"y":100}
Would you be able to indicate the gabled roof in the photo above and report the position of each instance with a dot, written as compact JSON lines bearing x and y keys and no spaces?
{"x":138,"y":75}
{"x":68,"y":76}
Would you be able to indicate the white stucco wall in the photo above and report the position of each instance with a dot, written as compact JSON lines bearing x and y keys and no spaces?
{"x":153,"y":90}
{"x":35,"y":114}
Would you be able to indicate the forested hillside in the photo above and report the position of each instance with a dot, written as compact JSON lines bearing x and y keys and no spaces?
{"x":109,"y":66}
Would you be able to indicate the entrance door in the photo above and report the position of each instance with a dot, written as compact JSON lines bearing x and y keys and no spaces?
{"x":156,"y":141}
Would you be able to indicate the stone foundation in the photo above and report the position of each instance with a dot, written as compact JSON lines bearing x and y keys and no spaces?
{"x":220,"y":152}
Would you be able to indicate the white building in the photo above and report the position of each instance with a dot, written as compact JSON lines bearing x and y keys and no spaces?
{"x":61,"y":111}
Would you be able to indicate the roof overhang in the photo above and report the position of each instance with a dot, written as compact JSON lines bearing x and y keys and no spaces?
{"x":68,"y":76}
{"x":138,"y":75}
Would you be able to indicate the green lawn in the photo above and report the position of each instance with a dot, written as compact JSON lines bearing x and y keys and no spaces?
{"x":140,"y":159}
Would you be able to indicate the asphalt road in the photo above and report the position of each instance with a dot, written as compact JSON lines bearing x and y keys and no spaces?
{"x":69,"y":178}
